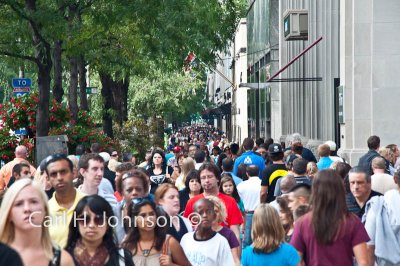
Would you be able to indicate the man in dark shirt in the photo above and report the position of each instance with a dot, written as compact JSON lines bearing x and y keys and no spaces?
{"x":299,"y":169}
{"x":365,"y":161}
{"x":306,"y":153}
{"x":272,"y":173}
{"x":361,"y":192}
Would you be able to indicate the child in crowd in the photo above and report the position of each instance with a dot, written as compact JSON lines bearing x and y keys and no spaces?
{"x":228,"y":188}
{"x":300,"y":211}
{"x":220,"y":211}
{"x":268,"y":236}
{"x":205,"y":247}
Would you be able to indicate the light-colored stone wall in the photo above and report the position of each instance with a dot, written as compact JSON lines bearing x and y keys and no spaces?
{"x":370,"y":63}
{"x":239,"y":101}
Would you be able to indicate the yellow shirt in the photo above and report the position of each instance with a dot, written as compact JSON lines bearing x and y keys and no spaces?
{"x":60,"y":219}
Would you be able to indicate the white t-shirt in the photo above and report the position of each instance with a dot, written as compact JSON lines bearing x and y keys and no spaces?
{"x":212,"y":252}
{"x":382,"y":182}
{"x":249,"y":192}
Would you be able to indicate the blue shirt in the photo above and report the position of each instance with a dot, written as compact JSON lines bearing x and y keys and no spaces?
{"x":235,"y":178}
{"x":324,"y":163}
{"x":250,"y":158}
{"x":169,"y":156}
{"x":284,"y":255}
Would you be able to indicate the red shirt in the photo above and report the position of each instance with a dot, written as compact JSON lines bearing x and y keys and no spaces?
{"x":117,"y":196}
{"x":234,"y":216}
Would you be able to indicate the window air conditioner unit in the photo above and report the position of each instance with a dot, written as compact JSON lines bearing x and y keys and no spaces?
{"x":295,"y":24}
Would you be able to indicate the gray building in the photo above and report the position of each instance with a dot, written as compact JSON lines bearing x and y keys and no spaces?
{"x":356,"y":62}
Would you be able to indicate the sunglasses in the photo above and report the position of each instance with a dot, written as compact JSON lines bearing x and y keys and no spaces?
{"x":55,"y":157}
{"x":127,"y":175}
{"x":114,"y":154}
{"x":139,"y":200}
{"x":85,"y":220}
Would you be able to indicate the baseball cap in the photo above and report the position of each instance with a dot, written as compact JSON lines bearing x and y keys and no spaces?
{"x":275,"y":148}
{"x":176,"y":149}
{"x":331,"y":144}
{"x":106,"y":157}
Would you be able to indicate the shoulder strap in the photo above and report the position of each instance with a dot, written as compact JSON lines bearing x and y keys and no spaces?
{"x":121,"y":257}
{"x":165,"y":248}
{"x":56,"y":261}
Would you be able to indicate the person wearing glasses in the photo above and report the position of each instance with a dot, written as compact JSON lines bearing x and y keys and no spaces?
{"x":135,"y":184}
{"x":60,"y":173}
{"x":148,"y":240}
{"x":24,"y":223}
{"x":210,"y":178}
{"x":91,"y":239}
{"x":113,"y":162}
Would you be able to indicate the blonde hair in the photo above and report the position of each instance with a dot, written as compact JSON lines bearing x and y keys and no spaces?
{"x":38,"y":178}
{"x":221,"y":215}
{"x":187,"y":165}
{"x":74,"y":161}
{"x":312,"y":169}
{"x":385,"y":152}
{"x":267,"y":231}
{"x":7,"y":229}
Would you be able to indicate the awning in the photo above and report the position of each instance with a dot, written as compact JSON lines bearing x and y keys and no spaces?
{"x":224,"y":109}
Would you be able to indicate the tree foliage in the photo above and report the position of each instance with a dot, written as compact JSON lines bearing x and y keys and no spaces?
{"x":139,"y":44}
{"x":159,"y":93}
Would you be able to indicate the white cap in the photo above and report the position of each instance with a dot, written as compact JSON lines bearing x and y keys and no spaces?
{"x":105,"y":156}
{"x":331,"y":144}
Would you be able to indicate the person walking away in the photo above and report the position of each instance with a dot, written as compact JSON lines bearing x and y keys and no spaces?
{"x":329,"y":229}
{"x":268,"y":236}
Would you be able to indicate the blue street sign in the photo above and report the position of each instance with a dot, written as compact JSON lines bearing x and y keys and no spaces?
{"x":21,"y":83}
{"x":21,"y":131}
{"x":19,"y":94}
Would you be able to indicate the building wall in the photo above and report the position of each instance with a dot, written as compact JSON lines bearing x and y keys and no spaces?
{"x":219,"y":87}
{"x":308,"y":107}
{"x":370,"y":63}
{"x":262,"y":41}
{"x":239,"y":102}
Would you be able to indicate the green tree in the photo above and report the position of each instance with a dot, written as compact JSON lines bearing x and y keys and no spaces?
{"x":160,"y":93}
{"x":27,"y":32}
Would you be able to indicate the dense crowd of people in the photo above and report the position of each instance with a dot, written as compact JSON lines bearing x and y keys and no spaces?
{"x":203,"y":201}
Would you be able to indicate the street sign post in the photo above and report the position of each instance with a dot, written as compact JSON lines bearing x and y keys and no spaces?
{"x":21,"y":131}
{"x":21,"y":91}
{"x":91,"y":90}
{"x":21,"y":82}
{"x":21,"y":86}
